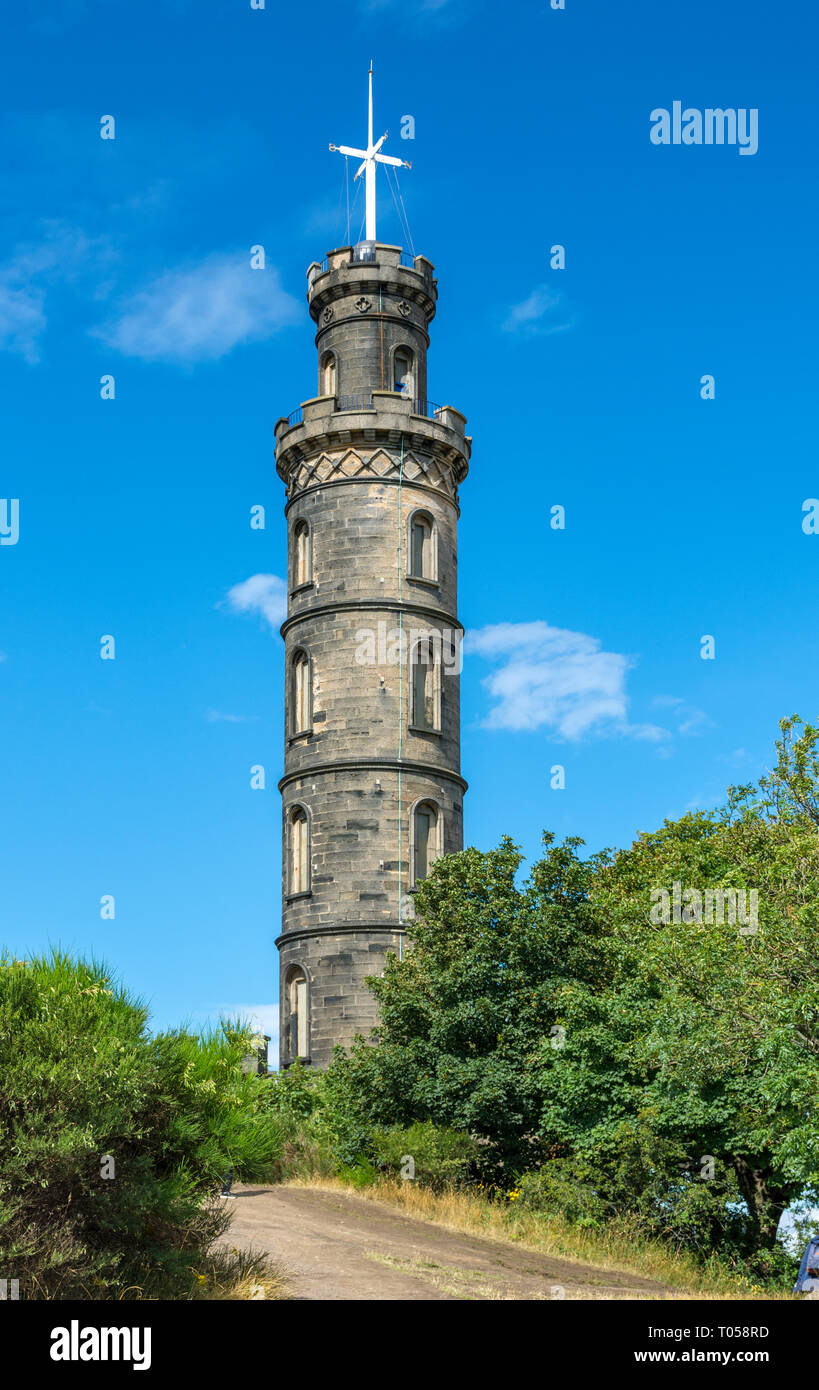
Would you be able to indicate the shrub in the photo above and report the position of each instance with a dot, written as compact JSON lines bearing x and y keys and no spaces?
{"x":440,"y":1157}
{"x":295,"y":1099}
{"x":112,"y":1142}
{"x":362,"y":1173}
{"x":558,"y":1189}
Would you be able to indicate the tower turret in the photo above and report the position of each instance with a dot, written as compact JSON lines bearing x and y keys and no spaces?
{"x":372,"y":307}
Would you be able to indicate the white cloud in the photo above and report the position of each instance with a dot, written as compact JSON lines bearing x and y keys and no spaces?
{"x":555,"y":679}
{"x":202,"y":312}
{"x":689,"y":719}
{"x":544,"y":311}
{"x":261,"y":593}
{"x":217,"y":716}
{"x":22,"y":320}
{"x":61,"y":255}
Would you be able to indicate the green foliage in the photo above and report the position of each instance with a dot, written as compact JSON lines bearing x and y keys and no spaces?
{"x":464,"y":1015}
{"x":441,"y":1158}
{"x":325,"y":1133}
{"x":659,"y":1074}
{"x":81,"y":1084}
{"x":296,"y":1101}
{"x":362,"y":1173}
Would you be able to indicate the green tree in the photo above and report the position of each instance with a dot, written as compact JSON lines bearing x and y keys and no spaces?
{"x":707,"y":1030}
{"x":464,"y":1015}
{"x":664,"y":1070}
{"x":112,"y":1142}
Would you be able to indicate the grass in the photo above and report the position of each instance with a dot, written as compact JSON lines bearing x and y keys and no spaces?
{"x":225,"y":1274}
{"x":612,"y":1248}
{"x":470,"y":1285}
{"x":231,"y":1275}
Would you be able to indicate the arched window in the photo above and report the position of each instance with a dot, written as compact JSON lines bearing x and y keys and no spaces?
{"x":301,"y":702}
{"x":302,"y":554}
{"x":298,"y":851}
{"x":422,"y":546}
{"x":426,"y":696}
{"x":426,"y":826}
{"x":298,"y":1033}
{"x":327,"y":381}
{"x":403,"y":376}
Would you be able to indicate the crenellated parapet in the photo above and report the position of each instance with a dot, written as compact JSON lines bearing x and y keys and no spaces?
{"x":388,"y":439}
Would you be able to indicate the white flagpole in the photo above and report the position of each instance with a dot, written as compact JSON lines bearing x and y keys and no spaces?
{"x":369,"y":158}
{"x":370,"y":174}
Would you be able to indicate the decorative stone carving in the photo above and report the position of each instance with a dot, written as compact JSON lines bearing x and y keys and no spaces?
{"x":329,"y":468}
{"x":328,"y":313}
{"x":362,"y":305}
{"x":404,"y":308}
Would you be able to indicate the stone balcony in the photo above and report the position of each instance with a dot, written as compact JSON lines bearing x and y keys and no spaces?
{"x":387,"y":409}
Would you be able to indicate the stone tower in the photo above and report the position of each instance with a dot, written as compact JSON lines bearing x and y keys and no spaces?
{"x":371,"y":791}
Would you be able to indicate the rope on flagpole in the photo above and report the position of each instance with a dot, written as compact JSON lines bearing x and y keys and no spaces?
{"x":347,"y":176}
{"x":338,"y":209}
{"x":401,"y":210}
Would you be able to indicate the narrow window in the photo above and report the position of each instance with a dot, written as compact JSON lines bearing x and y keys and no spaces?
{"x":299,"y":882}
{"x":301,"y":713}
{"x":302,"y":567}
{"x":328,"y":374}
{"x":425,"y":839}
{"x":421,"y":566}
{"x":424,"y":687}
{"x":402,"y":371}
{"x":297,"y":1040}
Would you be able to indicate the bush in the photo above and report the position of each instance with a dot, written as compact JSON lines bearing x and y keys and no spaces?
{"x":113,"y":1143}
{"x":295,"y":1099}
{"x":362,"y":1173}
{"x":434,"y":1156}
{"x":558,"y":1189}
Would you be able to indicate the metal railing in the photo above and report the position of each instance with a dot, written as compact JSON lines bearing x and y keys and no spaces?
{"x":427,"y":408}
{"x":363,"y":253}
{"x":362,"y":400}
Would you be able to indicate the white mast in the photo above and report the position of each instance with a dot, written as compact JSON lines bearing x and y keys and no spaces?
{"x":370,"y":157}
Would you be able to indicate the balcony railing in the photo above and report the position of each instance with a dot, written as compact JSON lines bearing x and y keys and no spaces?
{"x":364,"y":253}
{"x":427,"y":408}
{"x":363,"y":400}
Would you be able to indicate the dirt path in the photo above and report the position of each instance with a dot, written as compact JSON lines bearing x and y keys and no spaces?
{"x":335,"y":1245}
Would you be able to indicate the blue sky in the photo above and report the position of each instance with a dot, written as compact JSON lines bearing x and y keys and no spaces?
{"x":582,"y":388}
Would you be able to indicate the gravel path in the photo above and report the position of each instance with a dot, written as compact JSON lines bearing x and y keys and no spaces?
{"x":336,"y":1245}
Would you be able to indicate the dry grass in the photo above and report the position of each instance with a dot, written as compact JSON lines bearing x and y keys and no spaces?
{"x":232,"y":1275}
{"x":468,"y":1285}
{"x":611,"y":1249}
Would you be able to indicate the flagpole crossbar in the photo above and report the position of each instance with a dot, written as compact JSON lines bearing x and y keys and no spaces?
{"x":370,"y":157}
